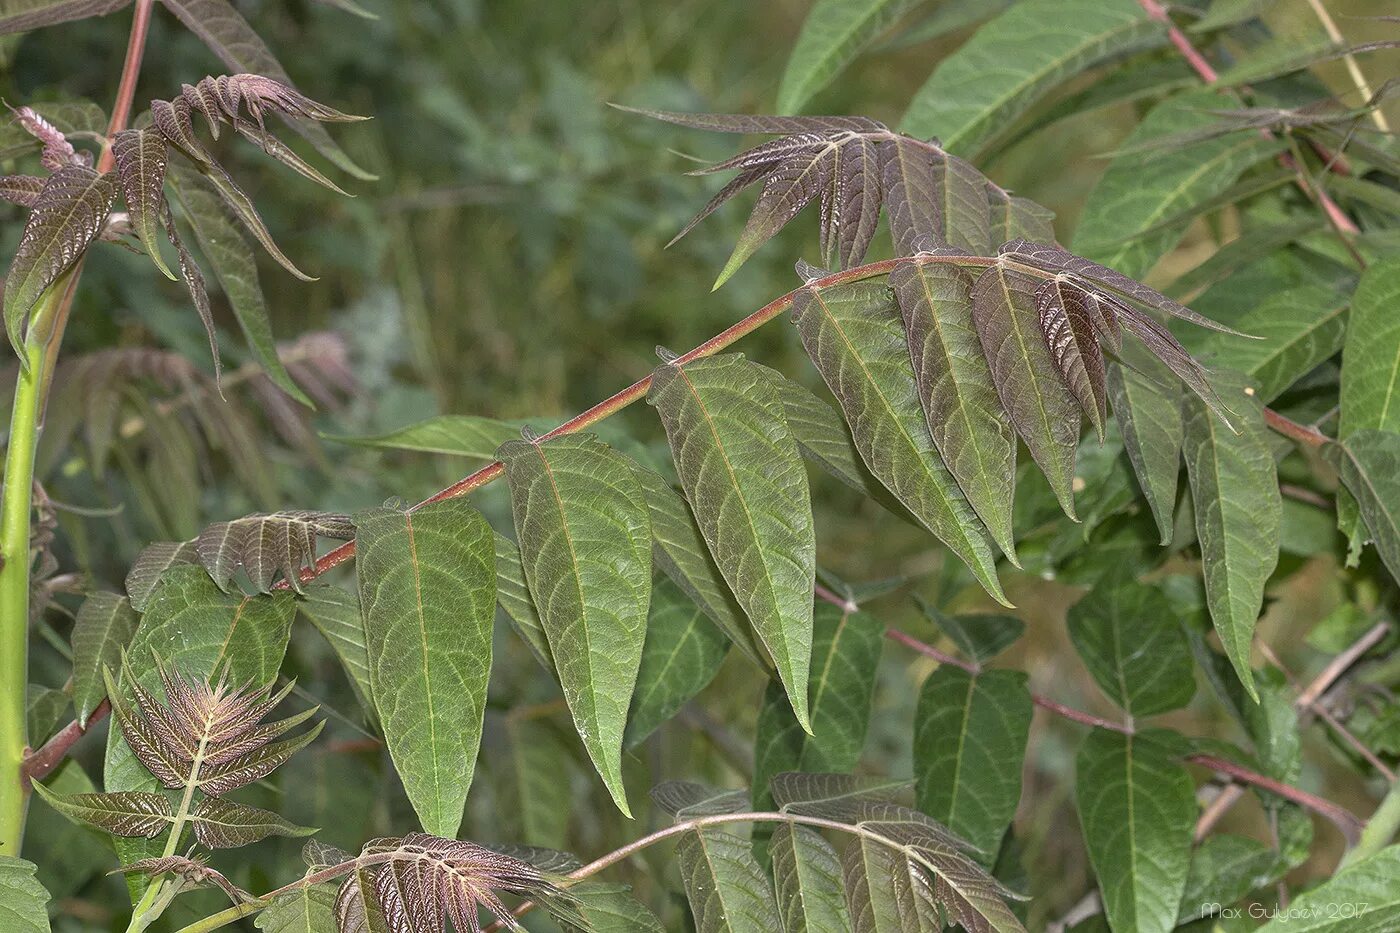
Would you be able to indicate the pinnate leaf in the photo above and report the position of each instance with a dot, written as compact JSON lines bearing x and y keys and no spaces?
{"x":1024,"y":372}
{"x":1137,"y":807}
{"x":427,"y":583}
{"x":127,"y":813}
{"x":67,"y":217}
{"x":585,"y":539}
{"x":970,"y":733}
{"x":1234,"y":486}
{"x":223,"y":824}
{"x":265,"y":547}
{"x":748,"y":491}
{"x":958,"y":396}
{"x":105,"y":625}
{"x":854,"y":336}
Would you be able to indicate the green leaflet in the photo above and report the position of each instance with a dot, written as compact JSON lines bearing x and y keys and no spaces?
{"x":427,"y":583}
{"x":1369,"y":464}
{"x":533,"y":772}
{"x":1370,"y":881}
{"x":23,"y":900}
{"x":1140,"y":189}
{"x":1014,"y":218}
{"x":336,"y":615}
{"x":727,"y":890}
{"x":748,"y":491}
{"x":235,"y":266}
{"x":958,"y":396}
{"x":807,"y":876}
{"x":1224,"y":869}
{"x":679,"y":549}
{"x":1298,"y":328}
{"x":980,"y":636}
{"x":1370,"y":395}
{"x":834,"y":33}
{"x":461,"y":435}
{"x":1130,"y":639}
{"x":681,"y":655}
{"x":228,"y":35}
{"x":194,"y":627}
{"x":610,"y":908}
{"x":1147,"y":400}
{"x":1137,"y":807}
{"x":105,"y":624}
{"x":879,"y":890}
{"x":977,"y":93}
{"x":307,"y":910}
{"x":970,"y":735}
{"x":151,"y":564}
{"x":1032,"y":391}
{"x":823,"y":438}
{"x":845,"y":653}
{"x":1234,"y":486}
{"x":513,"y":595}
{"x":855,"y":337}
{"x":585,"y":538}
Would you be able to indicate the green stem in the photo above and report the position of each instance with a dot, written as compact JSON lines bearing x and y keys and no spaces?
{"x":16,"y":503}
{"x":151,"y":905}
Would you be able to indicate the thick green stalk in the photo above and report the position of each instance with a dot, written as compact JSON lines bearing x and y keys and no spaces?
{"x":15,"y":560}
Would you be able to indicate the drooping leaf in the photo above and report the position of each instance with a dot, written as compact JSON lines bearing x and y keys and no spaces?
{"x":851,"y":205}
{"x":231,"y":255}
{"x":266,"y":547}
{"x":585,"y":538}
{"x":1023,"y":370}
{"x":1224,"y":869}
{"x":970,"y":735}
{"x":1014,"y":218}
{"x":1068,"y":321}
{"x":1137,"y":191}
{"x":1234,"y":486}
{"x":727,"y":889}
{"x":1332,"y":907}
{"x":151,"y":564}
{"x":534,"y":782}
{"x":845,"y":653}
{"x":141,"y":161}
{"x":933,"y":198}
{"x":336,"y":615}
{"x":785,"y":190}
{"x":310,"y":909}
{"x":460,"y":435}
{"x":855,"y":337}
{"x":223,"y":824}
{"x":23,"y":900}
{"x":228,"y":35}
{"x":427,"y":584}
{"x":1370,"y":393}
{"x":679,"y":549}
{"x":23,"y":190}
{"x":807,"y":878}
{"x":1369,"y":464}
{"x":608,"y":908}
{"x":1015,"y":60}
{"x":880,"y":896}
{"x":1130,"y":639}
{"x":105,"y":625}
{"x":959,"y":398}
{"x":24,"y":15}
{"x":834,"y":33}
{"x":1137,"y":807}
{"x":748,"y":491}
{"x":69,"y":214}
{"x":1147,"y":407}
{"x":128,"y":813}
{"x":686,"y":800}
{"x":681,"y":655}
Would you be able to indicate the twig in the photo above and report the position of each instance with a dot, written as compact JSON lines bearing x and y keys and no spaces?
{"x":40,"y":764}
{"x":1308,"y":437}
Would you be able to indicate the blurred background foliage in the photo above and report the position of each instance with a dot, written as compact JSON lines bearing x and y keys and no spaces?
{"x":509,"y":262}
